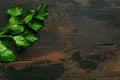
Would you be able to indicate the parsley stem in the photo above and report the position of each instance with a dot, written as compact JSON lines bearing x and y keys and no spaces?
{"x":10,"y":36}
{"x":4,"y":30}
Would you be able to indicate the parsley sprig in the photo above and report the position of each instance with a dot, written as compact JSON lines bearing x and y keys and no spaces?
{"x":23,"y":32}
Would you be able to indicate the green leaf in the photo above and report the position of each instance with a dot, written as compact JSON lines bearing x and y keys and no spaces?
{"x":15,"y":11}
{"x":35,"y":26}
{"x":17,"y":28}
{"x":1,"y":28}
{"x":41,"y":12}
{"x":5,"y":43}
{"x":13,"y":21}
{"x":29,"y":17}
{"x":21,"y":41}
{"x":2,"y":47}
{"x":7,"y":56}
{"x":31,"y":37}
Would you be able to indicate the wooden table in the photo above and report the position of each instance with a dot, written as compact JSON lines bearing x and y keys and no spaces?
{"x":80,"y":41}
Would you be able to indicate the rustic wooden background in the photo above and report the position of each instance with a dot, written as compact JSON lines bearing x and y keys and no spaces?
{"x":80,"y":41}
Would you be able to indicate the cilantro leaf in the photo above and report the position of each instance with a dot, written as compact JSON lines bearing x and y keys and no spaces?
{"x":15,"y":11}
{"x":29,"y":17}
{"x":2,"y":47}
{"x":1,"y":28}
{"x":35,"y":26}
{"x":13,"y":21}
{"x":5,"y":42}
{"x":31,"y":37}
{"x":41,"y":12}
{"x":17,"y":28}
{"x":22,"y":31}
{"x":21,"y":41}
{"x":7,"y":56}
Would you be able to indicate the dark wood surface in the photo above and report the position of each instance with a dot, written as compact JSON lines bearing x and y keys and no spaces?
{"x":80,"y":41}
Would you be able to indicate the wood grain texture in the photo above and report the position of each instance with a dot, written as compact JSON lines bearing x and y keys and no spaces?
{"x":80,"y":41}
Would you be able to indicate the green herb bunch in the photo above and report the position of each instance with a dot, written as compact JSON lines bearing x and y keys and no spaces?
{"x":23,"y":32}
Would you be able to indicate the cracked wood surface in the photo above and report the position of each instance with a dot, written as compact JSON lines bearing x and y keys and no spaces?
{"x":80,"y":41}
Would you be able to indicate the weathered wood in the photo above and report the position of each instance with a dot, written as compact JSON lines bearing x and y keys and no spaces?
{"x":80,"y":41}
